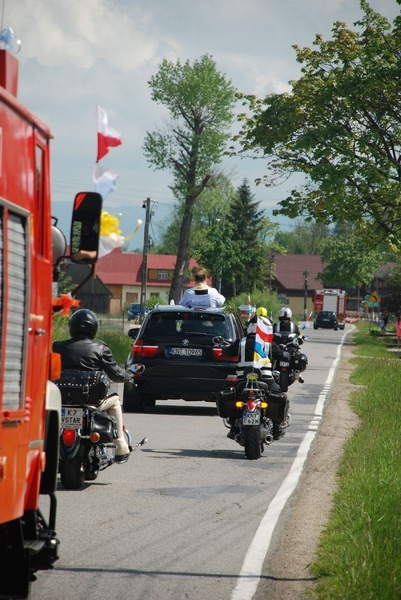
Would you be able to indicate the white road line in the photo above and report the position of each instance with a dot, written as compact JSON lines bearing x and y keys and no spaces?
{"x":251,"y":570}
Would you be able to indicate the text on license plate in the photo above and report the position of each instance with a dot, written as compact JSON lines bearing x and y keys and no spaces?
{"x":71,"y":417}
{"x":251,"y":418}
{"x":284,"y":364}
{"x":185,"y":351}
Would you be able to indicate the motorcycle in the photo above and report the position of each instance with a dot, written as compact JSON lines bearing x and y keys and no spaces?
{"x":249,"y":411}
{"x":87,"y":436}
{"x":288,"y":367}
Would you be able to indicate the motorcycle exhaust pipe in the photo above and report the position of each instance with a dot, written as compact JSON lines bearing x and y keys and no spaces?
{"x":238,"y":438}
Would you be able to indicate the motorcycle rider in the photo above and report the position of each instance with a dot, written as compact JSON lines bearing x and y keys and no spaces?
{"x":246,"y":359}
{"x":286,"y":325}
{"x":85,"y":353}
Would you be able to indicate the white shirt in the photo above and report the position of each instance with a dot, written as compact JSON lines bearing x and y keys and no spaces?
{"x":209,"y":298}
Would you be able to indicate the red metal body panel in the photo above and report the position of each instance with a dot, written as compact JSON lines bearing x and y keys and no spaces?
{"x":332,"y":300}
{"x":24,"y":152}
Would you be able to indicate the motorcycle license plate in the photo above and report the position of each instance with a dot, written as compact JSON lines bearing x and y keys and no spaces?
{"x":71,"y":418}
{"x":251,"y":418}
{"x":284,"y":364}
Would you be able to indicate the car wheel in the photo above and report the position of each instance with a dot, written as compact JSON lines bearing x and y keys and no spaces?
{"x":315,"y":326}
{"x":335,"y":328}
{"x":133,"y":401}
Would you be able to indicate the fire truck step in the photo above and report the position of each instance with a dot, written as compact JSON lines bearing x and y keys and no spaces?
{"x":34,"y":546}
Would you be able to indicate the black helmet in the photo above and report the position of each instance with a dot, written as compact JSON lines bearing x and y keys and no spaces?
{"x":83,"y":321}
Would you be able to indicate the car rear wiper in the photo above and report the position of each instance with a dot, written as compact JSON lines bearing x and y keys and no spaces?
{"x":196,"y":333}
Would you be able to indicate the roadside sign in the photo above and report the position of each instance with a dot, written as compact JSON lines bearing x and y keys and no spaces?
{"x":374,"y":297}
{"x":373,"y":304}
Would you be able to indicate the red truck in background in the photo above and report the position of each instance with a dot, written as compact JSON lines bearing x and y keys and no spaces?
{"x":31,"y":247}
{"x":332,"y":300}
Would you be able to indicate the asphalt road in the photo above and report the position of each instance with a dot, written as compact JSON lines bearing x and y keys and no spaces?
{"x":188,"y":516}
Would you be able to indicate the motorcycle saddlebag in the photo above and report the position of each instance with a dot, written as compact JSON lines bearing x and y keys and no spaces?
{"x":299,"y":361}
{"x":277,"y":408}
{"x":226,"y":403}
{"x":104,"y":425}
{"x":82,"y":387}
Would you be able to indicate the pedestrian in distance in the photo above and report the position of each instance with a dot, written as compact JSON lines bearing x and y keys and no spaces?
{"x":384,"y":322}
{"x":398,"y":332}
{"x":202,"y":294}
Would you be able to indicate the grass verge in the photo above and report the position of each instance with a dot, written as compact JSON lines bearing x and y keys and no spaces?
{"x":359,"y":554}
{"x":118,"y":341}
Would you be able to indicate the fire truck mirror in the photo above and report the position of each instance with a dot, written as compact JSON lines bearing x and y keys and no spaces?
{"x":85,"y":227}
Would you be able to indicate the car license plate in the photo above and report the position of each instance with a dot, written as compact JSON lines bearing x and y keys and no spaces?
{"x":284,"y":364}
{"x":185,"y":352}
{"x":71,"y":418}
{"x":251,"y":418}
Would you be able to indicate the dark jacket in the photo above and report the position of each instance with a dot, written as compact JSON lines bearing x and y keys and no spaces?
{"x":285,"y":326}
{"x":84,"y":354}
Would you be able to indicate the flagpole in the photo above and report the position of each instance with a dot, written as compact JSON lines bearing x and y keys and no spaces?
{"x":145,"y":260}
{"x":97,"y":131}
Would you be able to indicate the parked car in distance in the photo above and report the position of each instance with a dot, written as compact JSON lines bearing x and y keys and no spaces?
{"x":326,"y":320}
{"x":135,"y":310}
{"x":174,"y":343}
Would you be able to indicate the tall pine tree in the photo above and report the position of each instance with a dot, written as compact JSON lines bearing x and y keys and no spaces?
{"x":249,"y":229}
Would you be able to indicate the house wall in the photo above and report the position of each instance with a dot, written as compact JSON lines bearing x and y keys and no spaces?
{"x":123,"y":295}
{"x":296,"y":304}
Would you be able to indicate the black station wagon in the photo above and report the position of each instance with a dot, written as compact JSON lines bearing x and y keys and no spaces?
{"x":181,"y":361}
{"x":326,"y":319}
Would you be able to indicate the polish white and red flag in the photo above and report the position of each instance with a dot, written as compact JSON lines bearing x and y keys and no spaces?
{"x":263,"y":340}
{"x":107,"y":137}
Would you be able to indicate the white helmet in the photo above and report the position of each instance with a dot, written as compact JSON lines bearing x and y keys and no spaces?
{"x":285,"y":313}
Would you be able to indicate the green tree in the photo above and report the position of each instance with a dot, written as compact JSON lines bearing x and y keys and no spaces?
{"x":347,"y":262}
{"x":341,"y":128}
{"x":306,"y":237}
{"x":200,"y":101}
{"x":253,"y":238}
{"x":211,"y":240}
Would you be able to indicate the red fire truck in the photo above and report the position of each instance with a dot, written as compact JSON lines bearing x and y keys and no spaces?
{"x":333,"y":301}
{"x":31,"y":247}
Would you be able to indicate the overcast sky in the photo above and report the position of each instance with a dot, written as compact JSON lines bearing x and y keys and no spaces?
{"x":76,"y":54}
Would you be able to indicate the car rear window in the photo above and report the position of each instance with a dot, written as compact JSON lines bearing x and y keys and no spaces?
{"x":168,"y":324}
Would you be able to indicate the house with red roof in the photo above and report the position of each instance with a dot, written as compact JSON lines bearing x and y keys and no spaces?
{"x":294,"y":280}
{"x":121,"y":272}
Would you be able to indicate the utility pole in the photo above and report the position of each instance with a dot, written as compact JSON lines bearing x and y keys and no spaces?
{"x":305,"y":274}
{"x":144,"y":282}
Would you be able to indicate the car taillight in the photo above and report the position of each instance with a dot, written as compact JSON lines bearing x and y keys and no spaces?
{"x":218,"y":355}
{"x":140,"y":350}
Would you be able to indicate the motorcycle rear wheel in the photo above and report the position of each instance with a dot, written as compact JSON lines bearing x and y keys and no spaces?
{"x":252,"y":442}
{"x":72,"y":473}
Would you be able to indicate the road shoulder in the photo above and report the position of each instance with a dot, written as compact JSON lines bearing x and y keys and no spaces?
{"x":286,"y":572}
